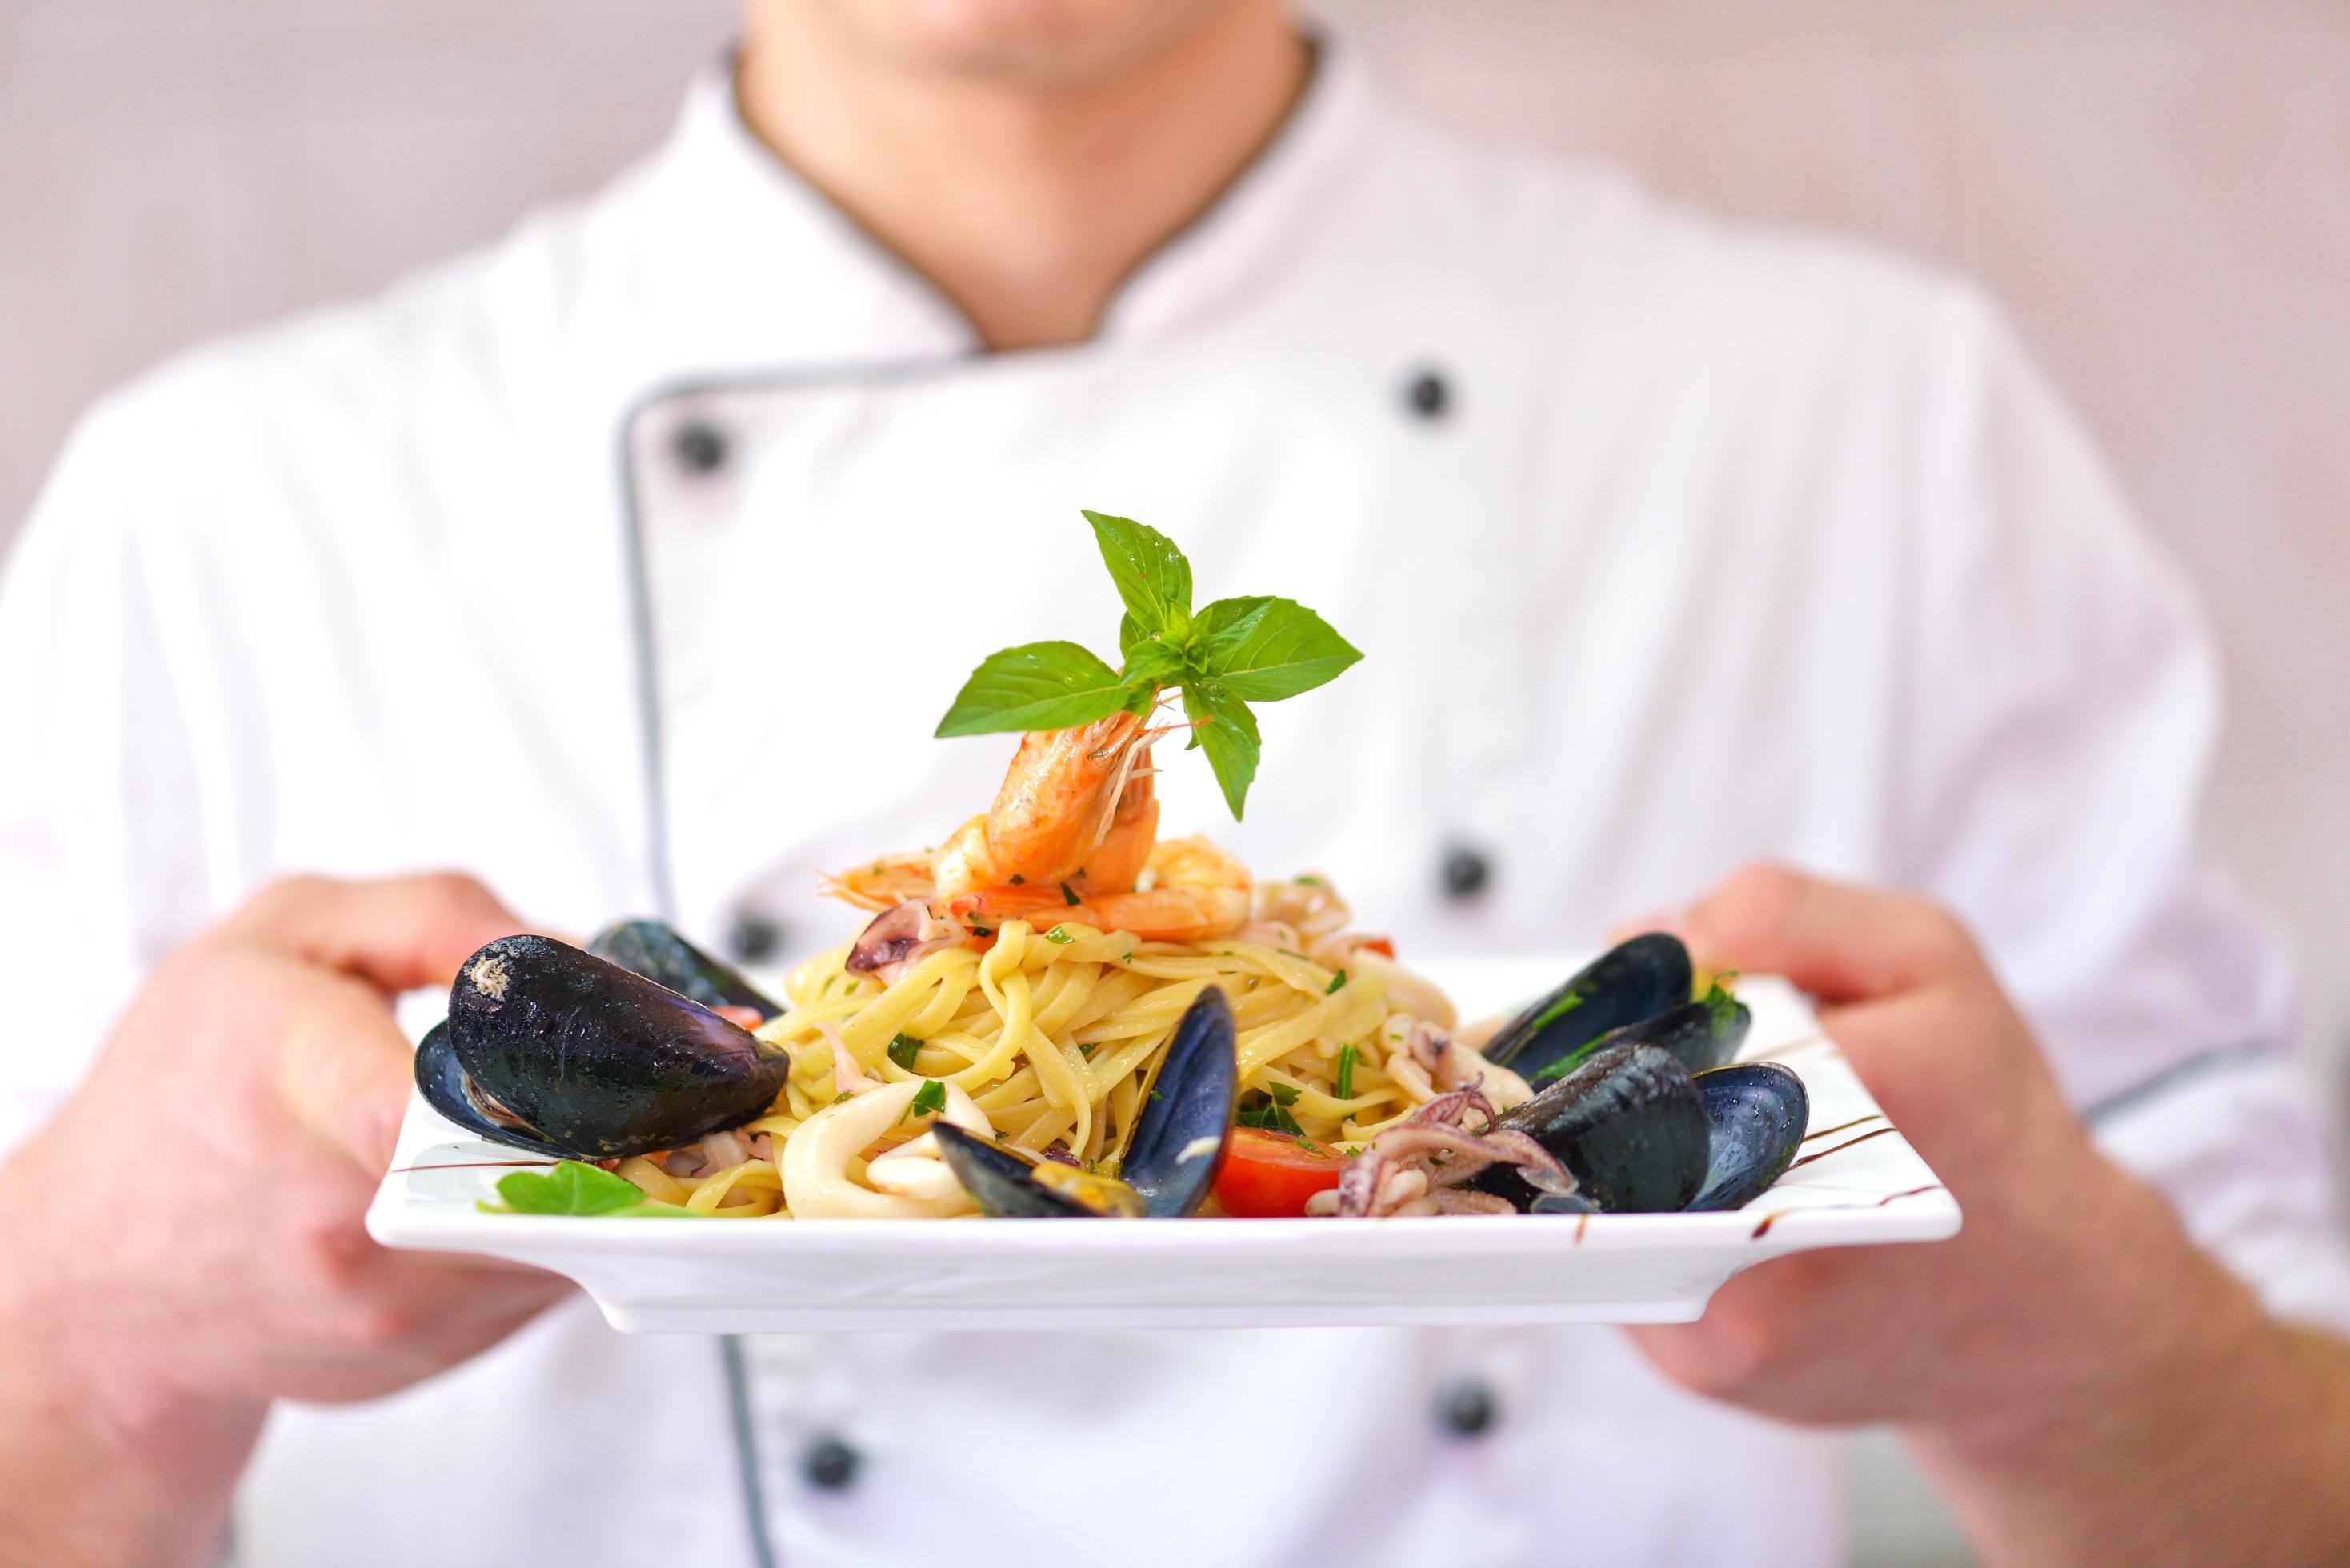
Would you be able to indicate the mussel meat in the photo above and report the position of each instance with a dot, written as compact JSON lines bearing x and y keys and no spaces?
{"x":1758,"y":1113}
{"x":1629,"y":983}
{"x":655,"y":951}
{"x":1629,"y":1125}
{"x":1013,"y":1184}
{"x":1171,"y":1163}
{"x":553,"y":1049}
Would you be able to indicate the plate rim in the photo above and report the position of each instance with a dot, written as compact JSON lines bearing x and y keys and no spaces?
{"x":397,"y":1218}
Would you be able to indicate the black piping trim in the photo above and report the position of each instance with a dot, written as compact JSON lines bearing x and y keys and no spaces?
{"x":787,"y":379}
{"x":654,"y":771}
{"x":746,"y":1451}
{"x":2202,"y":1064}
{"x":659,"y":868}
{"x":649,"y":716}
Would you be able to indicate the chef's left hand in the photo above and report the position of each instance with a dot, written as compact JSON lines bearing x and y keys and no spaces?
{"x":2076,"y":1372}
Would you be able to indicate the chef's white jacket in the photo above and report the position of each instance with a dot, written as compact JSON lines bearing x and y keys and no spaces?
{"x":630,"y":563}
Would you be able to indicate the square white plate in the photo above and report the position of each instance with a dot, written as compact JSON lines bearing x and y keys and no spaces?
{"x":1857,"y":1182}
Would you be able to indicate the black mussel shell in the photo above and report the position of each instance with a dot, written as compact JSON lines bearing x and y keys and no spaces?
{"x":1632,"y":982}
{"x":1702,"y":1035}
{"x":599,"y":1061}
{"x":1014,"y":1185}
{"x":652,"y":949}
{"x":1181,"y":1134}
{"x":447,"y":1090}
{"x":1629,"y":1125}
{"x":1758,"y":1112}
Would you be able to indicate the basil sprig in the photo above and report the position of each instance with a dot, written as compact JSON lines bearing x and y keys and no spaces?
{"x":1228,"y":654}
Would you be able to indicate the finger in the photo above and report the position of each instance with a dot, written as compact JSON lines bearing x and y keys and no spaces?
{"x":1641,"y":925}
{"x":1840,"y":943}
{"x":399,"y":932}
{"x":344,"y":1070}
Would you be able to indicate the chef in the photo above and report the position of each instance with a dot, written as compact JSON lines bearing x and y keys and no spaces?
{"x":626,"y":566}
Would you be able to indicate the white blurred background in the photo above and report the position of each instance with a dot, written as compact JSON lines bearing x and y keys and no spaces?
{"x":2160,"y":189}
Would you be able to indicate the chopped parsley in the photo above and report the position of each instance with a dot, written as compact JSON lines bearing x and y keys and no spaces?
{"x":1344,"y":1087}
{"x":1018,"y":880}
{"x":1060,"y":936}
{"x":928,"y":1101}
{"x":901,"y":1050}
{"x":1069,"y":895}
{"x":1336,"y":981}
{"x":1270,"y":1109}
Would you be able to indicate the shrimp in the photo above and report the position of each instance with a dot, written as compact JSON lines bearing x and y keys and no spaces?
{"x":1066,"y":794}
{"x":1073,"y":833}
{"x":1076,"y":806}
{"x":887,"y":882}
{"x":1197,"y":892}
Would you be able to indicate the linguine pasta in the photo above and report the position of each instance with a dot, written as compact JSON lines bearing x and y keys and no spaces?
{"x":1049,"y":1041}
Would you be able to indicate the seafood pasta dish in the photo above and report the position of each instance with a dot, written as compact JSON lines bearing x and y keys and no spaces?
{"x":1058,"y":1013}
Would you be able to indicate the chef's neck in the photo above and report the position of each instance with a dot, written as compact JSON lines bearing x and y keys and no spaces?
{"x":1025,"y":197}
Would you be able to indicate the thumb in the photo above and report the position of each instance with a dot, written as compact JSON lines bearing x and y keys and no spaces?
{"x":399,"y":933}
{"x":1840,"y":943}
{"x":343,"y":1068}
{"x":1906,"y":995}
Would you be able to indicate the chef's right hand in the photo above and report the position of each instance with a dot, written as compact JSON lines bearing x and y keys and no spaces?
{"x":185,"y":1241}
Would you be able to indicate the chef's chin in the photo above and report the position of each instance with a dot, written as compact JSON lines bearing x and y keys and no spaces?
{"x":1036,"y":40}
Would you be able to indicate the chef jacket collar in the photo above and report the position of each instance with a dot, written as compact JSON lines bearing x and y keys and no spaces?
{"x":750,"y":264}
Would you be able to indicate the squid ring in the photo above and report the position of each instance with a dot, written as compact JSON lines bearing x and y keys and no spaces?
{"x":816,"y":1183}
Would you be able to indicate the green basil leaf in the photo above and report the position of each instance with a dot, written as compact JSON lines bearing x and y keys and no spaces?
{"x":1037,"y":685}
{"x":1268,"y":649}
{"x":1151,"y":574}
{"x":1152,"y":663}
{"x":573,"y":1187}
{"x":901,"y":1050}
{"x":1227,"y":731}
{"x":928,"y":1101}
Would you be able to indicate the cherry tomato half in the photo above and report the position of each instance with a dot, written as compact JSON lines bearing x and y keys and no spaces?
{"x":1270,"y":1175}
